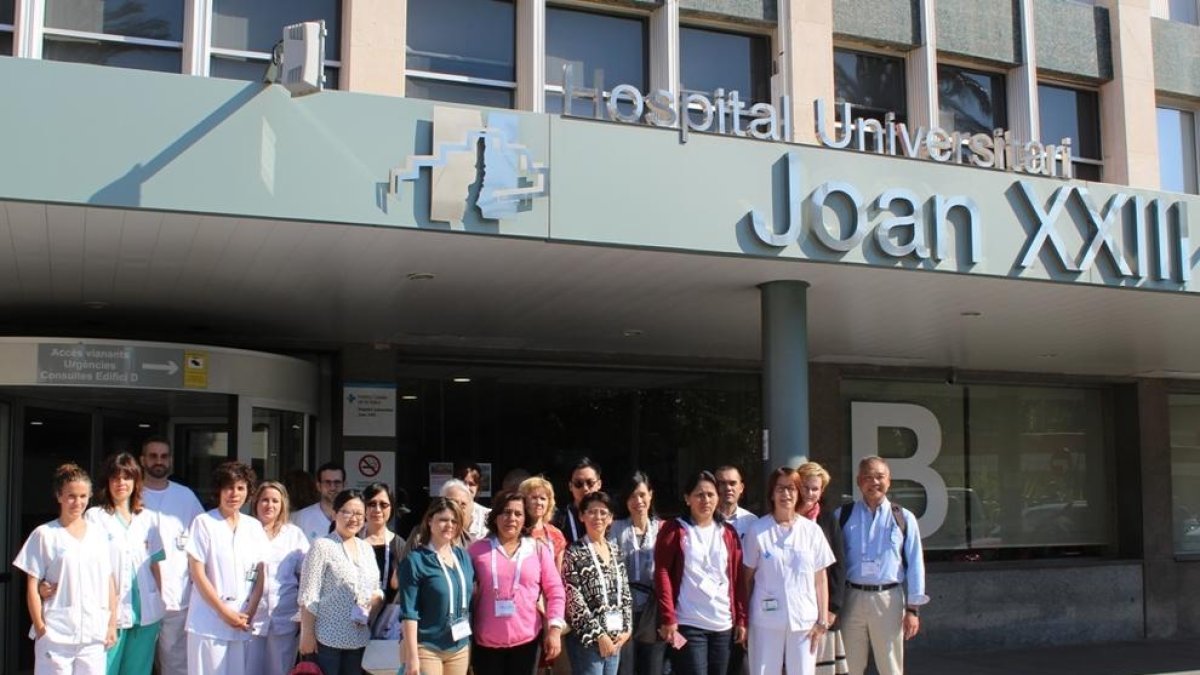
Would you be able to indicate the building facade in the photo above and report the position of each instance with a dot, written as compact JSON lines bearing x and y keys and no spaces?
{"x":664,"y":234}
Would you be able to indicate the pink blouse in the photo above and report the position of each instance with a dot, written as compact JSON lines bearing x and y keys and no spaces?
{"x":505,"y":615}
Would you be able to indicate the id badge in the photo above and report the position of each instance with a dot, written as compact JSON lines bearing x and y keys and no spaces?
{"x":460,"y":630}
{"x":359,"y":615}
{"x":613,"y":622}
{"x":871,"y":568}
{"x":770,"y":604}
{"x":505,"y":608}
{"x":181,"y":541}
{"x":251,"y":574}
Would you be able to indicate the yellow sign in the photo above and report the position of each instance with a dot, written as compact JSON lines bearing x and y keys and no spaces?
{"x":195,"y":370}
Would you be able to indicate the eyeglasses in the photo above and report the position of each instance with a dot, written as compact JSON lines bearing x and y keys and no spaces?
{"x":597,"y":513}
{"x":584,"y":484}
{"x":789,"y":489}
{"x":352,"y":515}
{"x":375,"y":504}
{"x":873,"y":476}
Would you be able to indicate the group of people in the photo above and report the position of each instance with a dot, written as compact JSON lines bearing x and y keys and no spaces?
{"x":146,"y":576}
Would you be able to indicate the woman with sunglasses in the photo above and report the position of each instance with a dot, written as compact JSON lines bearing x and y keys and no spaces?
{"x":513,"y":571}
{"x":436,"y":582}
{"x":386,"y":544}
{"x":276,"y":631}
{"x":339,"y":588}
{"x":784,"y":573}
{"x":697,"y":572}
{"x":599,"y":607}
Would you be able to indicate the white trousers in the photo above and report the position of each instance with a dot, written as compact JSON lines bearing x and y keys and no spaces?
{"x":172,"y":643}
{"x":211,"y":656}
{"x":53,"y":659}
{"x":770,"y":649}
{"x":873,"y":622}
{"x":272,"y":654}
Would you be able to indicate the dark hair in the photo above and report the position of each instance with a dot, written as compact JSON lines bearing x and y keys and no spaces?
{"x":698,"y":478}
{"x":122,"y":465}
{"x":587,"y":463}
{"x":597,"y":496}
{"x":464,"y":469}
{"x":68,"y":473}
{"x":504,"y":499}
{"x":155,"y":439}
{"x":369,"y":492}
{"x":782,"y":472}
{"x":729,"y":467}
{"x":346,"y":495}
{"x":230,"y":473}
{"x":330,"y":466}
{"x":638,"y":479}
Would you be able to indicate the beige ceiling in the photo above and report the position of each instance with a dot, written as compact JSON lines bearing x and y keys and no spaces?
{"x":71,"y":270}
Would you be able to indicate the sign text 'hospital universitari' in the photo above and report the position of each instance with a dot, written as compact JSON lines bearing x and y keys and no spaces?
{"x":724,"y":112}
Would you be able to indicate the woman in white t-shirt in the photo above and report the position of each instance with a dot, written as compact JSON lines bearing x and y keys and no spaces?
{"x":276,"y":625}
{"x":785,"y":557}
{"x":697,"y":572}
{"x":73,"y":627}
{"x":226,"y":553}
{"x":136,"y":548}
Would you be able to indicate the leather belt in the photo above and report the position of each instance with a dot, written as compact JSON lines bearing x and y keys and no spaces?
{"x":872,"y":588}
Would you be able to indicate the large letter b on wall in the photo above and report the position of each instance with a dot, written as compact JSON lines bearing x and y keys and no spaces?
{"x":867,"y":418}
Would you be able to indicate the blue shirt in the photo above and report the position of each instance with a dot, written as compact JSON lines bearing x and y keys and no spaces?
{"x":425,"y":596}
{"x":875,"y":538}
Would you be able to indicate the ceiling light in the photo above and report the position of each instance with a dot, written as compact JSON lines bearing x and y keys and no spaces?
{"x":143,"y":425}
{"x":419,"y":276}
{"x":461,"y":380}
{"x":408,"y":397}
{"x":35,"y":423}
{"x":633,"y":332}
{"x":95,"y":304}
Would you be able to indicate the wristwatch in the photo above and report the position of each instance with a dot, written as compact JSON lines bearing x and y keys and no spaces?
{"x":914,"y":611}
{"x":822,"y":625}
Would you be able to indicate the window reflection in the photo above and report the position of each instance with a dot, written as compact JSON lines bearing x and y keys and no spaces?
{"x":1074,"y":114}
{"x":454,"y":92}
{"x":712,"y":60}
{"x":113,"y":54}
{"x":971,"y":101}
{"x":156,"y":19}
{"x":474,"y":38}
{"x":1185,"y":471}
{"x":1177,"y":150}
{"x":600,"y":48}
{"x":1184,"y":11}
{"x":255,"y":26}
{"x":872,"y":84}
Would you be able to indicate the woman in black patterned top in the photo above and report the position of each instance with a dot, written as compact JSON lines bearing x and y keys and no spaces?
{"x":599,"y":607}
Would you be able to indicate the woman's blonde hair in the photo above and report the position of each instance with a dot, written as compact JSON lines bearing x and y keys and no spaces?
{"x":285,"y":503}
{"x":813,"y":470}
{"x":538,"y":483}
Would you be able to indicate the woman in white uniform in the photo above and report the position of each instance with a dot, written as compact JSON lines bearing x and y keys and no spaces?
{"x":785,"y":556}
{"x":136,"y":548}
{"x":226,"y":554}
{"x":74,"y":626}
{"x":277,"y":623}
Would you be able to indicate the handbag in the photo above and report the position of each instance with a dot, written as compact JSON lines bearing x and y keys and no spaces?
{"x":831,"y":655}
{"x":307,"y":665}
{"x":646,"y":630}
{"x":381,"y":657}
{"x":387,"y":623}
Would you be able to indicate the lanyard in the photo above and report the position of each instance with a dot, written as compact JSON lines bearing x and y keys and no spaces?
{"x":602,"y":576}
{"x":462,"y":583}
{"x":712,"y":543}
{"x":638,"y":546}
{"x":868,"y":532}
{"x":518,"y":558}
{"x":571,"y":521}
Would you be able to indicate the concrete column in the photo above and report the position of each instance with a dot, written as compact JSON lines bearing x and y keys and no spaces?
{"x":1023,"y":118}
{"x":664,"y":47}
{"x":374,"y":33}
{"x":531,"y":55}
{"x":921,"y":70}
{"x":785,"y":373}
{"x":1128,"y":114}
{"x":804,"y":54}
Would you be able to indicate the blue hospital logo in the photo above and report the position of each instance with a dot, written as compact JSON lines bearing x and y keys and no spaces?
{"x":510,"y":175}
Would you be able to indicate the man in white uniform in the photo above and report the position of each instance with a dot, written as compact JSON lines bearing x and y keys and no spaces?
{"x":176,"y":506}
{"x":316,"y":520}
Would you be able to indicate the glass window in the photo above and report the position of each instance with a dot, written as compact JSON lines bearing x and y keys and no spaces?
{"x":1185,"y":11}
{"x":456,"y":46}
{"x":153,"y":19}
{"x":711,"y":60}
{"x":1185,"y":471}
{"x":6,"y":44}
{"x":1177,"y":150}
{"x":873,"y":84}
{"x":971,"y":101}
{"x":1074,"y":114}
{"x":6,"y":12}
{"x":1025,"y":467}
{"x":600,"y":48}
{"x":255,"y":26}
{"x":253,"y":69}
{"x":455,"y":92}
{"x":115,"y":54}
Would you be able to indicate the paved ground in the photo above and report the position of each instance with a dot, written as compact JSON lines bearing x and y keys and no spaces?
{"x":1113,"y":658}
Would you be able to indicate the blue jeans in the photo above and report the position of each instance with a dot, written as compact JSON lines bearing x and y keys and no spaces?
{"x":587,"y":660}
{"x":334,"y":661}
{"x":706,"y":652}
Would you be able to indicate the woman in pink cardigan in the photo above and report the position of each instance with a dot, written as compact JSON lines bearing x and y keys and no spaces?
{"x":512,"y":570}
{"x":697,"y":575}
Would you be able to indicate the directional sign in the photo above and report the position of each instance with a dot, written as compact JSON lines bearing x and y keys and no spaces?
{"x":110,"y":365}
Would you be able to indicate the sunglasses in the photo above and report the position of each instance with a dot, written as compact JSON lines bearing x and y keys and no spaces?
{"x":585,"y":484}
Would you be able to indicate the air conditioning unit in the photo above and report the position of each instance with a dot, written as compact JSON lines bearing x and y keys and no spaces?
{"x":302,"y":70}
